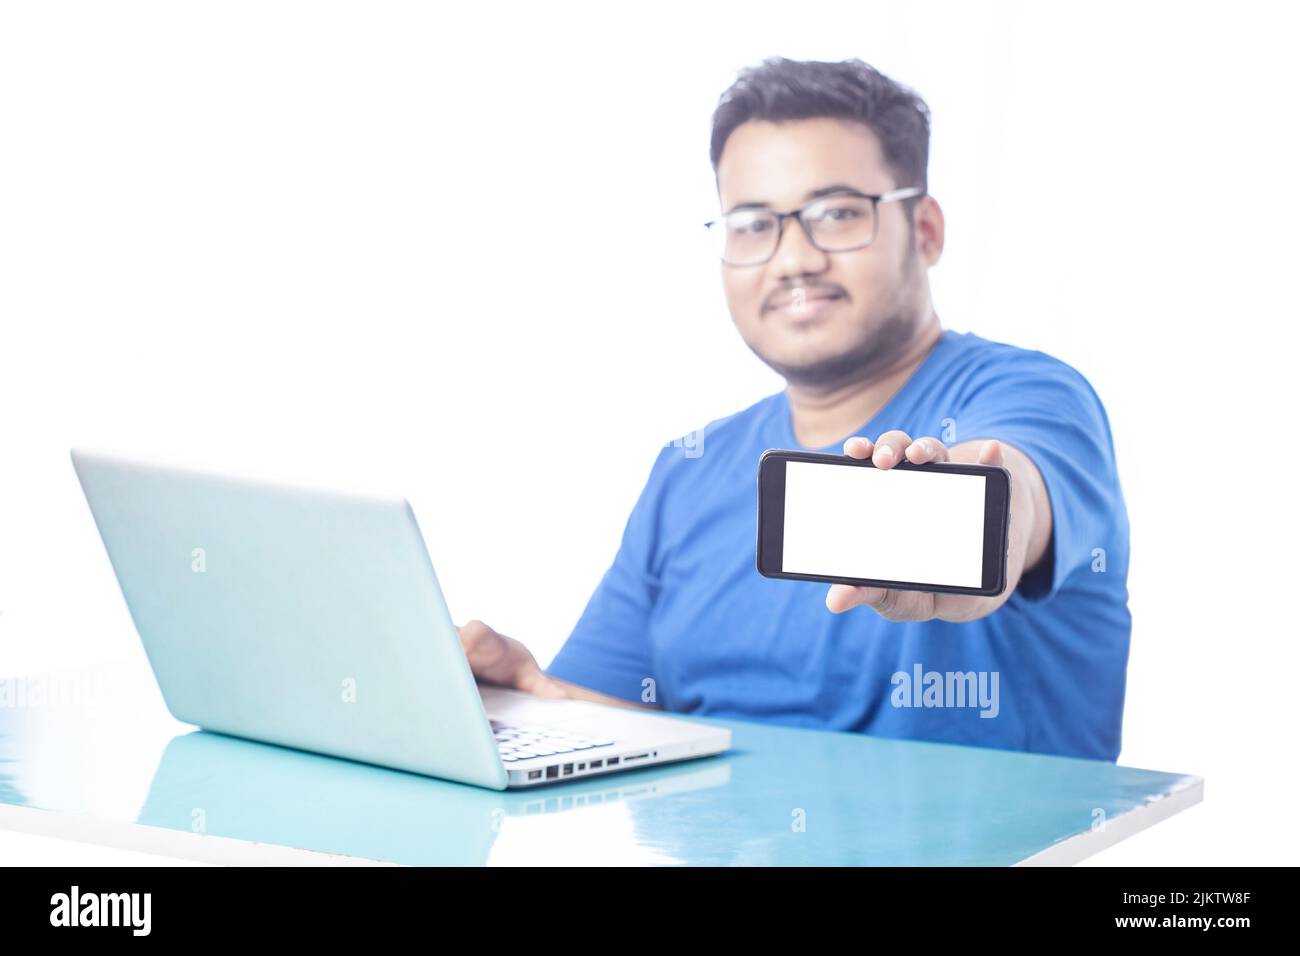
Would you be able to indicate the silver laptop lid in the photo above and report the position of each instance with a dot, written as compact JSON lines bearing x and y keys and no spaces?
{"x":292,"y":615}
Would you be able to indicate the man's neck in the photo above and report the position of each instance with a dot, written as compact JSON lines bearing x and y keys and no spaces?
{"x":822,"y":416}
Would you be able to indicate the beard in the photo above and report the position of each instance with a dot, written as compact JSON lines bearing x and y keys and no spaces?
{"x":873,"y":354}
{"x":876,"y":350}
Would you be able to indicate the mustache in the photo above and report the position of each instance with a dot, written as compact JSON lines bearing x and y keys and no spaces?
{"x":786,"y":294}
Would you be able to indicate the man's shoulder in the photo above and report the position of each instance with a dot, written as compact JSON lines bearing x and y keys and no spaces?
{"x":982,"y":361}
{"x":724,"y":432}
{"x":717,"y":451}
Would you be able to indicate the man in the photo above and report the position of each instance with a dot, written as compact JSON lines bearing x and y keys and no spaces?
{"x":828,"y":234}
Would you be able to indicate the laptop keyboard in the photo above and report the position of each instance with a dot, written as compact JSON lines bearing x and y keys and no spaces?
{"x":516,"y":742}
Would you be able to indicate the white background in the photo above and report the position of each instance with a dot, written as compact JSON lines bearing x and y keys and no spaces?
{"x":246,"y":234}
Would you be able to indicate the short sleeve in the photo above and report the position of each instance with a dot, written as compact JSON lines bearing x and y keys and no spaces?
{"x":1049,"y":411}
{"x":609,"y":648}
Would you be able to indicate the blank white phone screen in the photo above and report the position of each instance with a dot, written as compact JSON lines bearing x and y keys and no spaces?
{"x":861,"y":522}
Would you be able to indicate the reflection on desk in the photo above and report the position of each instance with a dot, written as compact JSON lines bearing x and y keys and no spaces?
{"x":111,"y":765}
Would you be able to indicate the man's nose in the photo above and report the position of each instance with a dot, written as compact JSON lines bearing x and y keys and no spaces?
{"x":795,"y":255}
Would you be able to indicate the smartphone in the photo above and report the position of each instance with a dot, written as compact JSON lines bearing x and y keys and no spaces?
{"x":935,"y":527}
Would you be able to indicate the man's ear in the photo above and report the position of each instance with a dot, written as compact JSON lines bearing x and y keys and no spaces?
{"x":928,"y":217}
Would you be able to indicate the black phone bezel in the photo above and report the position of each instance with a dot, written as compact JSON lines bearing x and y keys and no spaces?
{"x":771,"y":520}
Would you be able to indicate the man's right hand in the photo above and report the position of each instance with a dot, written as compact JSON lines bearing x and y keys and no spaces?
{"x":497,"y":659}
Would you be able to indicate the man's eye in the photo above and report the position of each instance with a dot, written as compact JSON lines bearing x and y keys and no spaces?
{"x":842,"y":213}
{"x":751,"y":226}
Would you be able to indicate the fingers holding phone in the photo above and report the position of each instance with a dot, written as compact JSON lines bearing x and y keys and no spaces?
{"x":930,"y":541}
{"x":891,"y":603}
{"x":893,"y":447}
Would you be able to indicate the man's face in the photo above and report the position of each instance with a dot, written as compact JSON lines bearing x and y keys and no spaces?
{"x":820,"y":318}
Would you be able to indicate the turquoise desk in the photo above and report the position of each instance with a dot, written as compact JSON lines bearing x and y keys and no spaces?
{"x":95,"y":756}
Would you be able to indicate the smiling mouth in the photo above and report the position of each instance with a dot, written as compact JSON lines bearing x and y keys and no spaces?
{"x":803,"y":309}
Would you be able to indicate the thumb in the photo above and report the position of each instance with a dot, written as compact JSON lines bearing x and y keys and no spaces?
{"x":542,"y":684}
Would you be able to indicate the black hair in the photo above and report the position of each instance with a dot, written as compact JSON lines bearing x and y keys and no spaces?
{"x":779,"y":89}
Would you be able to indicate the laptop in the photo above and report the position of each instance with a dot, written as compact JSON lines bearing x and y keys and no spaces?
{"x":313,"y":619}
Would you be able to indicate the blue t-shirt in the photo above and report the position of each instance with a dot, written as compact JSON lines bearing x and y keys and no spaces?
{"x":683,"y":618}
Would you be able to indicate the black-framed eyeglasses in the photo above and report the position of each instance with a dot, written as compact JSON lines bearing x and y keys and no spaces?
{"x":840,"y":222}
